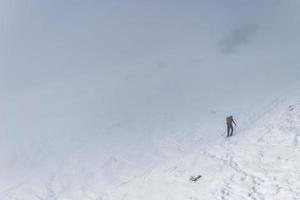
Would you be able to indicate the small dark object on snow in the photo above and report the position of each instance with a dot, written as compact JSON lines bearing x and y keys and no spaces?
{"x":195,"y":178}
{"x":291,"y":107}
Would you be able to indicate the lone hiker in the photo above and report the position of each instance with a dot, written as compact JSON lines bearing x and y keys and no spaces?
{"x":229,"y":121}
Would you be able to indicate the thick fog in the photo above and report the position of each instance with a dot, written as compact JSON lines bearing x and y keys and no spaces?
{"x":81,"y":81}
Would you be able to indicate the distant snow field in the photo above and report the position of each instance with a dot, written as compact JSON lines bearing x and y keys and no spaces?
{"x":259,"y":162}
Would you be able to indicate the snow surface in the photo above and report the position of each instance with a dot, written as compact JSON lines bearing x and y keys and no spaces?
{"x":261,"y":162}
{"x":258,"y":162}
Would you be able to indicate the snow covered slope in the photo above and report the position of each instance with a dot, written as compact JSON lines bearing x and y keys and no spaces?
{"x":261,"y":162}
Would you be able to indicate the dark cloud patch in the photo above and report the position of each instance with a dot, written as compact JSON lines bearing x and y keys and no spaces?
{"x":161,"y":65}
{"x":237,"y":37}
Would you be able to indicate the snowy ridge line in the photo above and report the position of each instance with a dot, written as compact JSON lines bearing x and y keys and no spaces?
{"x":256,"y":117}
{"x":267,"y":110}
{"x":259,"y":164}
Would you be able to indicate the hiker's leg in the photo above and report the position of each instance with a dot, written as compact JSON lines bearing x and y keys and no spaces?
{"x":231,"y":130}
{"x":228,"y":129}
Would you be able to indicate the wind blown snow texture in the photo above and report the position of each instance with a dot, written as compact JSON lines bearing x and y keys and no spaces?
{"x":260,"y":162}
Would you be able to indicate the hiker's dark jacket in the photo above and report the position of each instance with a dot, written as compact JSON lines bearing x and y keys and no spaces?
{"x":229,"y":121}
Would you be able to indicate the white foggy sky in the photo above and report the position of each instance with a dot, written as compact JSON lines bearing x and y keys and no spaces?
{"x":44,"y":42}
